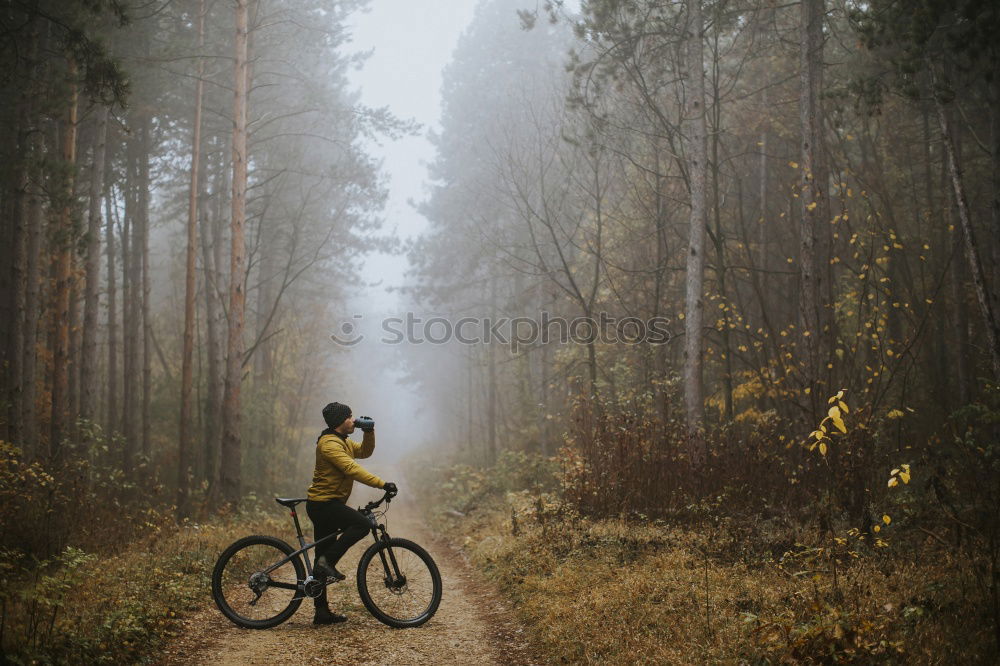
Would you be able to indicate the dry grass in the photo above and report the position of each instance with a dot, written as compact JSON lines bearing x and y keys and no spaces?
{"x":610,"y":592}
{"x":117,"y":607}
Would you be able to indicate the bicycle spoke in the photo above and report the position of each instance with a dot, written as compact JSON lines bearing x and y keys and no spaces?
{"x":253,"y":595}
{"x":405,"y":602}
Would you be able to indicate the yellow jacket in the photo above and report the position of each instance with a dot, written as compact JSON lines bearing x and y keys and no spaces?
{"x":336,"y":471}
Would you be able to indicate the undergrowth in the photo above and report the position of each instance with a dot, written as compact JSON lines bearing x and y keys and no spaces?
{"x":707,"y":588}
{"x":113,"y":573}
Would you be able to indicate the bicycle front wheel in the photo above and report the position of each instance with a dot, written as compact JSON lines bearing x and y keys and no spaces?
{"x":399,"y":583}
{"x":250,"y":595}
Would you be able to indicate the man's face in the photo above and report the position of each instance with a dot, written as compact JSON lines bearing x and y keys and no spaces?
{"x":347,"y":427}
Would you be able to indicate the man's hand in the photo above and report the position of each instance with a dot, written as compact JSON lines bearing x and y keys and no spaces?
{"x":390,"y":488}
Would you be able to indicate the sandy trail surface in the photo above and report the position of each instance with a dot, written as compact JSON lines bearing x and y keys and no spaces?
{"x":472,"y":626}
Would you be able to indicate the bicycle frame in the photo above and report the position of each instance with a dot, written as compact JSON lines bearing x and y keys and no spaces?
{"x":378,"y":532}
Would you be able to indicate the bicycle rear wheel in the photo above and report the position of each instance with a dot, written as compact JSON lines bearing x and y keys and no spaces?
{"x":246,"y":594}
{"x":399,"y":583}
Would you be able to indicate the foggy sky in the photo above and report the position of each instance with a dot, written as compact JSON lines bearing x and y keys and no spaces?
{"x":412,"y":42}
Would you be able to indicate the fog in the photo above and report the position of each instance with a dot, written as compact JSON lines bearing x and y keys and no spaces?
{"x":410,"y":43}
{"x":531,"y":173}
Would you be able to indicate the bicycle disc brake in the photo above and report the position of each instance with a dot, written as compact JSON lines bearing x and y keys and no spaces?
{"x":396,"y":585}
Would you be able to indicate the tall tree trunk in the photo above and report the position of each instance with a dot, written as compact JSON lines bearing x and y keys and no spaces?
{"x":111,"y":418}
{"x":184,"y":462}
{"x":264,"y":354}
{"x":26,"y":146}
{"x":64,"y":248}
{"x":763,"y":237}
{"x":211,"y":245}
{"x":721,"y":270}
{"x":694,"y":307}
{"x":811,"y":224}
{"x":33,"y":222}
{"x":130,"y":314}
{"x":88,"y":364}
{"x":972,"y":254}
{"x":491,"y":387}
{"x":994,"y":112}
{"x":143,"y":252}
{"x":938,"y":349}
{"x":73,"y":366}
{"x":231,"y":454}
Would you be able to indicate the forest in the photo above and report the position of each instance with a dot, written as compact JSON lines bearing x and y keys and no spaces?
{"x":731,"y":271}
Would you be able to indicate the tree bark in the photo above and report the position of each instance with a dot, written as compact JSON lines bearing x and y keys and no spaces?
{"x":231,"y":453}
{"x":187,"y":354}
{"x":130,"y":316}
{"x":24,"y":227}
{"x":211,"y":245}
{"x":264,"y":354}
{"x":491,"y":387}
{"x":111,"y":418}
{"x":63,"y":266}
{"x":33,"y":221}
{"x":721,"y":270}
{"x":88,"y":364}
{"x":694,"y":302}
{"x":143,"y":238}
{"x":971,"y":247}
{"x":811,"y":194}
{"x":73,"y":365}
{"x":994,"y":112}
{"x":763,"y":237}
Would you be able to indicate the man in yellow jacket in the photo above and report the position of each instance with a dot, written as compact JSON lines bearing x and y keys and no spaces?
{"x":333,"y":479}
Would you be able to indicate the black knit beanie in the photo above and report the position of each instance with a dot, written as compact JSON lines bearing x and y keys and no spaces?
{"x":335,"y":413}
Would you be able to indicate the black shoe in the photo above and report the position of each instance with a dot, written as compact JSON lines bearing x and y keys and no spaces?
{"x":326,"y":616}
{"x":323,"y":571}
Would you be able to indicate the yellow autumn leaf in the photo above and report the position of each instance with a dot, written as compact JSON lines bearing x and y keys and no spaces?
{"x":822,"y":448}
{"x":834,"y":412}
{"x":839,"y":423}
{"x":886,"y":519}
{"x":811,"y":206}
{"x":877,"y":529}
{"x":843,"y":407}
{"x":905,"y":476}
{"x":794,"y":165}
{"x":894,"y":414}
{"x":894,"y":472}
{"x":893,"y":482}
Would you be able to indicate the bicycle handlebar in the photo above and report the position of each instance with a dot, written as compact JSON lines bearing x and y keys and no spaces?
{"x":387,"y":497}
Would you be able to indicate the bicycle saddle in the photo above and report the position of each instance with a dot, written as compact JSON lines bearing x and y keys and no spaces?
{"x":290,"y":502}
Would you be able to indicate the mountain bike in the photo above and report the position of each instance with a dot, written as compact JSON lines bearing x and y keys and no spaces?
{"x":260,"y":581}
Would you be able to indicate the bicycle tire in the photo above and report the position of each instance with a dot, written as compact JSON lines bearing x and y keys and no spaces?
{"x":408,"y":605}
{"x":233,"y":576}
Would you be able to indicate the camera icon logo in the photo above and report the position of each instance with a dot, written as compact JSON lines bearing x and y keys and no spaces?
{"x":349,"y":333}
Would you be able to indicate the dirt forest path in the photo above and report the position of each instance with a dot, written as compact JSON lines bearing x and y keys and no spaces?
{"x":472,"y":626}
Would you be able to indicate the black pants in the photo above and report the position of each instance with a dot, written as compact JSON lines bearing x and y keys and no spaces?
{"x":332,"y":516}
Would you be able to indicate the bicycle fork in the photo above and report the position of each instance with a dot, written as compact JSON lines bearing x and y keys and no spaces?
{"x":394,"y":579}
